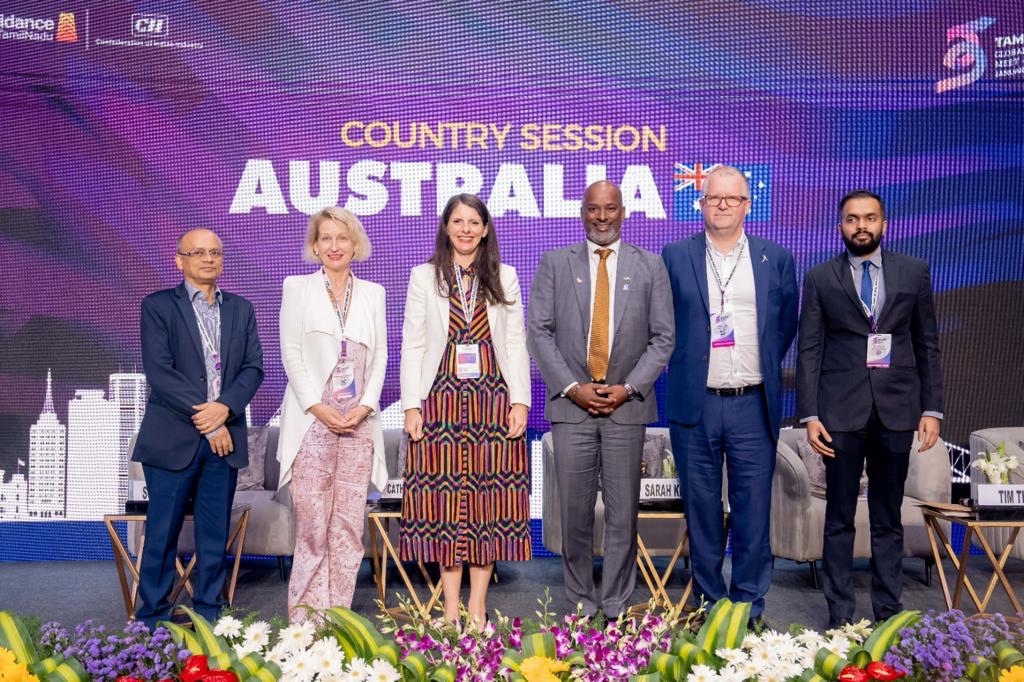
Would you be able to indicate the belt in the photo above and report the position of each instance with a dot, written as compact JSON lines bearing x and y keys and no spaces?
{"x":730,"y":392}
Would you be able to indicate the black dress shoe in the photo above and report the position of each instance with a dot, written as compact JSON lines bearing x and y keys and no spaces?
{"x":834,"y":623}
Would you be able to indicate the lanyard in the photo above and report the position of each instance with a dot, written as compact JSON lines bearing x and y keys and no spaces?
{"x":468,"y":305}
{"x":208,"y":345}
{"x":342,"y":312}
{"x":870,"y":312}
{"x":718,"y":275}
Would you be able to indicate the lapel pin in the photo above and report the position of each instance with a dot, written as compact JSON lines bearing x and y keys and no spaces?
{"x":764,"y":258}
{"x":579,"y":280}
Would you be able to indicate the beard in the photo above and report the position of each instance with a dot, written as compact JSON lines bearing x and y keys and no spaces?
{"x":862,"y":248}
{"x":603,"y":238}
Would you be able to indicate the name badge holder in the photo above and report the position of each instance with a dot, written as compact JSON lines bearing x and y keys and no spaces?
{"x":210,"y":345}
{"x":723,"y":333}
{"x":879,"y":348}
{"x":467,"y":355}
{"x":343,"y":377}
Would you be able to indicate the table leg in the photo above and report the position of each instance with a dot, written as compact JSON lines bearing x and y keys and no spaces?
{"x":121,"y":560}
{"x":997,"y":565}
{"x":931,"y":525}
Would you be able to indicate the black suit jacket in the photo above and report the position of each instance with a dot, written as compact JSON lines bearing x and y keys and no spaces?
{"x":175,"y":366}
{"x":833,"y":381}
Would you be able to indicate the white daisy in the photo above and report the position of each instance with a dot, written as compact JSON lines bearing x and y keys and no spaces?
{"x":703,"y":673}
{"x":734,"y":657}
{"x":299,"y":667}
{"x":257,"y":634}
{"x":299,"y":635}
{"x":228,"y":626}
{"x":382,"y":671}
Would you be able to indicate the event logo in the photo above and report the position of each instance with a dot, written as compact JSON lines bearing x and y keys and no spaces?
{"x":150,"y":26}
{"x":964,"y":53}
{"x":66,"y":30}
{"x":688,"y":180}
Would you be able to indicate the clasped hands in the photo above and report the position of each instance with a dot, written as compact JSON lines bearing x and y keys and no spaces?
{"x":598,"y":399}
{"x":208,"y":419}
{"x":338,"y":422}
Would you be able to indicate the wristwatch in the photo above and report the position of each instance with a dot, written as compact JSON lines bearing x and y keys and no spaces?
{"x":631,"y":391}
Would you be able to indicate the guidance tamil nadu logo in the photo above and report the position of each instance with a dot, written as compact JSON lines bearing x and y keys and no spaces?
{"x":39,"y":29}
{"x":964,"y":53}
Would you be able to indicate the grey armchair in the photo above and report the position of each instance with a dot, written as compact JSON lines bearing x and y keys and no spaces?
{"x":798,"y":514}
{"x":989,"y":439}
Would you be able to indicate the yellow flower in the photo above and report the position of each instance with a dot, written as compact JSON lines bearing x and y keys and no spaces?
{"x":6,"y":657}
{"x":541,"y":669}
{"x":1014,"y":674}
{"x":10,"y":671}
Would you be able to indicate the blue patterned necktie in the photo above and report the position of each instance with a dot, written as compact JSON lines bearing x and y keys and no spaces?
{"x":865,"y":285}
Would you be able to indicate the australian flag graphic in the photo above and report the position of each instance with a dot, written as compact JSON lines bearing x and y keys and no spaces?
{"x":688,"y":179}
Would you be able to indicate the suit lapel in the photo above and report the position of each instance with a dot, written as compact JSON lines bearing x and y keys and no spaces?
{"x":891,"y":276}
{"x":698,"y":256}
{"x":623,"y":278}
{"x":189,"y":315}
{"x":440,"y":302}
{"x":841,"y":270}
{"x":579,"y":266}
{"x":760,"y":263}
{"x":227,"y":321}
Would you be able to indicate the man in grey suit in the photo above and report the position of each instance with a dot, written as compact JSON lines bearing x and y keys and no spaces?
{"x":600,"y":327}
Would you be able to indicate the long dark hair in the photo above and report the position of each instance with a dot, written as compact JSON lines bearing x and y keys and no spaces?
{"x":487,"y":260}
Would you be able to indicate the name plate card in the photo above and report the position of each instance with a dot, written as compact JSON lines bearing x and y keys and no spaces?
{"x":392,"y":489}
{"x":659,"y":489}
{"x":1000,"y":495}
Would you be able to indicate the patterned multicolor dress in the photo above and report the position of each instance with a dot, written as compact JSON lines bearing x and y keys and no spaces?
{"x":466,"y":495}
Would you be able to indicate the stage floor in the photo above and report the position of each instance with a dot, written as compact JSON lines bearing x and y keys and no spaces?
{"x":71,"y":591}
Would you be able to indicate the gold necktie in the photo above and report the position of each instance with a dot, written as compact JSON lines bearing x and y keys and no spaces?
{"x":597,"y":355}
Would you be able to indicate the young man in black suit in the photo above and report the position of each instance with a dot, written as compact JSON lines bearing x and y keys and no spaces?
{"x":868,"y":376}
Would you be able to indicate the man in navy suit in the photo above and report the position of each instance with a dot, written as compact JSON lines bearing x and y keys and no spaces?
{"x":203,"y":363}
{"x":868,"y":375}
{"x":735,"y":298}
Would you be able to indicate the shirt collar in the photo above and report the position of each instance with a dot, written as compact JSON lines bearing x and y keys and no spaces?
{"x":874,"y":258}
{"x":193,"y":291}
{"x":614,"y":246}
{"x":735,"y":248}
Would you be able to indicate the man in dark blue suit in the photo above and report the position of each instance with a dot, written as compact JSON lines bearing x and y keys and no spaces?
{"x":735,"y":298}
{"x":203,"y":363}
{"x":868,"y":375}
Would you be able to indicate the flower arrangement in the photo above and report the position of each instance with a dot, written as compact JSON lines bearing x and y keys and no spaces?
{"x":998,"y":465}
{"x":105,"y":656}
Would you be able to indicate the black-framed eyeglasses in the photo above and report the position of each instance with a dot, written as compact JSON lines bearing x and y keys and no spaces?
{"x":731,"y":200}
{"x":201,"y":253}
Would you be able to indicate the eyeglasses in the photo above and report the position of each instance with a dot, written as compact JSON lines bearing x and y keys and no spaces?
{"x":201,"y":253}
{"x":732,"y":201}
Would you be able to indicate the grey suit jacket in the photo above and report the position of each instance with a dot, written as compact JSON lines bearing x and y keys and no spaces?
{"x":558,"y":319}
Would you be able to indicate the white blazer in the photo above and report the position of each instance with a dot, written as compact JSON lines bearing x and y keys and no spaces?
{"x":425,"y":333}
{"x":310,"y":337}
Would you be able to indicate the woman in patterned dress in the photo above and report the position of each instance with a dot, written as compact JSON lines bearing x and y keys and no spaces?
{"x":334,"y":347}
{"x":466,"y":392}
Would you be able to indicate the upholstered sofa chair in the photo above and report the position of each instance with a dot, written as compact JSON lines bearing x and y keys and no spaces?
{"x":798,"y":503}
{"x":1012,"y":439}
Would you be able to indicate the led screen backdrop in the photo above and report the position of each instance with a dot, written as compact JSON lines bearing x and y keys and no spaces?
{"x":123,"y":124}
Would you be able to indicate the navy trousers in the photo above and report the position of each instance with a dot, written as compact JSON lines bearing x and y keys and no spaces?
{"x":734,"y":431}
{"x":209,"y":484}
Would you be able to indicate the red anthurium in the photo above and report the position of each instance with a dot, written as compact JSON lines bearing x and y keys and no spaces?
{"x":194,"y":668}
{"x":852,"y":673}
{"x":220,"y":676}
{"x":128,"y":678}
{"x":880,"y":671}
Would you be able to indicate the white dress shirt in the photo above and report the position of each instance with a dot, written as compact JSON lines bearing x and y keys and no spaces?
{"x":738,"y":365}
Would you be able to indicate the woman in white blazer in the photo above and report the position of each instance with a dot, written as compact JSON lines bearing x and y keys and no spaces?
{"x":334,"y":347}
{"x":466,"y":392}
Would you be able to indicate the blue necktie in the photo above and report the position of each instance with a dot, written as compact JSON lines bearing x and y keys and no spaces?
{"x":865,"y":285}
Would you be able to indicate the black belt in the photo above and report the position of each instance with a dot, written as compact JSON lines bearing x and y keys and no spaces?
{"x":729,"y":392}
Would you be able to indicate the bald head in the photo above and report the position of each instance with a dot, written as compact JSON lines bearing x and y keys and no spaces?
{"x":200,"y":257}
{"x":602,"y":212}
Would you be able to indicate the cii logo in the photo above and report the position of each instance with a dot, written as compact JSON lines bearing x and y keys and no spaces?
{"x":964,"y":53}
{"x":150,"y":26}
{"x":67,"y":32}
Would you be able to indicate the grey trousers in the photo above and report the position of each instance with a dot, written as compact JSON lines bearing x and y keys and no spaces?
{"x":598,"y":452}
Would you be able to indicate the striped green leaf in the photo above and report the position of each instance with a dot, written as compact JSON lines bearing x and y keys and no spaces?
{"x":212,"y":645}
{"x":828,"y":664}
{"x":183,"y":636}
{"x":14,"y":636}
{"x":443,"y":673}
{"x":539,"y":644}
{"x":417,"y":665}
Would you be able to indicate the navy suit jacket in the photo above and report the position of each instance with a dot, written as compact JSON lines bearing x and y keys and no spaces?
{"x":173,"y":360}
{"x":775,"y":292}
{"x":833,"y":380}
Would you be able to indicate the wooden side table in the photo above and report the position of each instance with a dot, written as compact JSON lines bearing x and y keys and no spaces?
{"x":383,"y":551}
{"x":973,"y":528}
{"x":128,"y":570}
